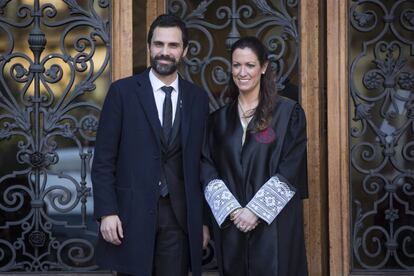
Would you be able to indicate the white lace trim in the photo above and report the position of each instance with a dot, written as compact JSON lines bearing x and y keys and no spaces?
{"x":270,"y":199}
{"x":222,"y":202}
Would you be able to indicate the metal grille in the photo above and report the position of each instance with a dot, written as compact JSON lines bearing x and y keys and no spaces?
{"x":52,"y":56}
{"x":215,"y":25}
{"x":381,"y":135}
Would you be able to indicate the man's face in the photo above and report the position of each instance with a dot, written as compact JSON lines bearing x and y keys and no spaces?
{"x":166,"y":50}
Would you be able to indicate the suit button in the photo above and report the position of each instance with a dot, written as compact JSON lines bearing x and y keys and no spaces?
{"x":151,"y":212}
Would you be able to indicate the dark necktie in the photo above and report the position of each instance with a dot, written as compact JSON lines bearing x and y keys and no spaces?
{"x":166,"y":129}
{"x":167,"y":113}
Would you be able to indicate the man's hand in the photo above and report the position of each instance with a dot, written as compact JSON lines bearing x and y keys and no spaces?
{"x":111,"y":229}
{"x":245,"y":220}
{"x":206,"y":236}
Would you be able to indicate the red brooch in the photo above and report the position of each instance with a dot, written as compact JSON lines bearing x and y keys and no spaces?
{"x":266,"y":136}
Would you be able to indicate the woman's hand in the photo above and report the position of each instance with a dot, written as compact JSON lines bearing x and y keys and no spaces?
{"x":245,"y":220}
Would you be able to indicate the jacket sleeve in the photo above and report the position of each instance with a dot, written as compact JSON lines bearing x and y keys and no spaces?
{"x":106,"y":152}
{"x":291,"y":175}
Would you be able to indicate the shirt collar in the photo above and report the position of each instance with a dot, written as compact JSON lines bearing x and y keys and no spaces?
{"x":156,"y":83}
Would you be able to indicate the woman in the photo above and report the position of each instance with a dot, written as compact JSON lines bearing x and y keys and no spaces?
{"x":254,"y":171}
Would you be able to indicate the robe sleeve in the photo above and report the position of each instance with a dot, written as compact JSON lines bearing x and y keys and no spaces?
{"x":220,"y":199}
{"x":291,"y":175}
{"x":270,"y":199}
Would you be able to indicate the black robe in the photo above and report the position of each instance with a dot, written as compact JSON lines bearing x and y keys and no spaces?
{"x":269,"y":250}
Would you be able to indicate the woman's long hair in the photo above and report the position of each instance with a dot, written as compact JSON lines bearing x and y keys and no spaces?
{"x":268,"y":92}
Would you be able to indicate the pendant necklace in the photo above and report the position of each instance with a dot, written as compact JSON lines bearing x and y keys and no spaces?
{"x":245,"y":118}
{"x":245,"y":115}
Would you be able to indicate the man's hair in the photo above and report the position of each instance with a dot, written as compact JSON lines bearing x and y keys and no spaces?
{"x":166,"y":21}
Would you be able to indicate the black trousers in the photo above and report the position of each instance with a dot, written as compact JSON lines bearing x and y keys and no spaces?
{"x":171,"y":252}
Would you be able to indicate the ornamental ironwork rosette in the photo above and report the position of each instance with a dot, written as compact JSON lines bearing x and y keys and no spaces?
{"x":52,"y":54}
{"x":381,"y":89}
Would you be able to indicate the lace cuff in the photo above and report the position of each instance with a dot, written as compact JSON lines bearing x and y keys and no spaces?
{"x":222,"y":202}
{"x":270,"y":199}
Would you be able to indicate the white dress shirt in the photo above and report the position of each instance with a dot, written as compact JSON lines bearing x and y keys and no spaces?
{"x":159,"y":95}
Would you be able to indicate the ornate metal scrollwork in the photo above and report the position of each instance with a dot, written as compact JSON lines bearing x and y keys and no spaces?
{"x":215,"y":25}
{"x":40,"y":117}
{"x":382,"y":133}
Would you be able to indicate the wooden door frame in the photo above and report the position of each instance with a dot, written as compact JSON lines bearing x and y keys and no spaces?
{"x":338,"y":147}
{"x":312,"y":99}
{"x":312,"y":75}
{"x":122,"y":44}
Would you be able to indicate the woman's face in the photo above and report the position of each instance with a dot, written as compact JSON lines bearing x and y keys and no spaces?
{"x":246,"y":70}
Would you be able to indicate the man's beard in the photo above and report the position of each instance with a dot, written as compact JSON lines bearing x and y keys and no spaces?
{"x":161,"y":68}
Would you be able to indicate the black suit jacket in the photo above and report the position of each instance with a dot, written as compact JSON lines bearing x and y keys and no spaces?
{"x":126,"y":171}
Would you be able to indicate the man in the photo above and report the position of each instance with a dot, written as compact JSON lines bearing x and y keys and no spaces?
{"x":145,"y":172}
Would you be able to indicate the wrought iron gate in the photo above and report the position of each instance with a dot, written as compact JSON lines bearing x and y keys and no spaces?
{"x":382,"y":135}
{"x":54,"y":72}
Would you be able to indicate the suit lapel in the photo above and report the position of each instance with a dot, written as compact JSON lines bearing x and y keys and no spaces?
{"x":186,"y":103}
{"x":146,"y":98}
